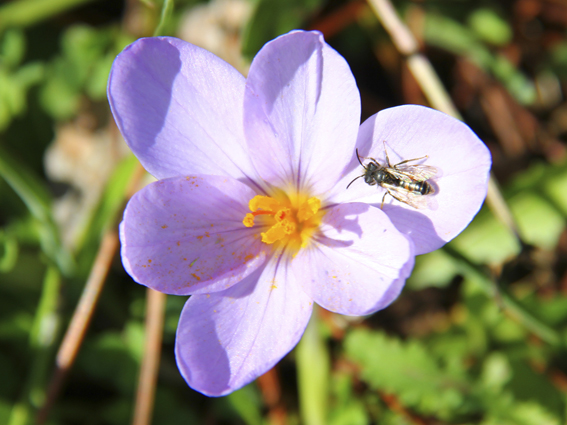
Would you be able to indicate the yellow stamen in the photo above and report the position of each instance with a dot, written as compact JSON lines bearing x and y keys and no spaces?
{"x":292,"y":221}
{"x":308,"y":209}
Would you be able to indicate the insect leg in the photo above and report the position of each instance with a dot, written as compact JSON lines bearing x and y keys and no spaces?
{"x":403,"y":162}
{"x":410,"y":160}
{"x":372,"y":160}
{"x":384,"y":197}
{"x":386,"y":152}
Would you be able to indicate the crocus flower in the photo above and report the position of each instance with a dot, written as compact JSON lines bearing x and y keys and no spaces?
{"x":251,"y":215}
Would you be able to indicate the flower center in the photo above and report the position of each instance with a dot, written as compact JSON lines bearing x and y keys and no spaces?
{"x":290,"y":220}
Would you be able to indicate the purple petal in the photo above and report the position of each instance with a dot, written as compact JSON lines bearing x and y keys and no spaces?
{"x":179,"y":107}
{"x":185,"y":235}
{"x":301,"y":112}
{"x":412,"y":131}
{"x":358,"y":263}
{"x":228,"y":339}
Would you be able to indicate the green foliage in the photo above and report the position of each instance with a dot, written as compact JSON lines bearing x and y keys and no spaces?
{"x":346,"y":408}
{"x":107,"y":212}
{"x":272,"y":18}
{"x":558,"y":59}
{"x":15,"y":80}
{"x":537,"y":200}
{"x":313,"y":374}
{"x":83,"y":67}
{"x":435,"y":376}
{"x":33,"y":193}
{"x":453,"y":36}
{"x":409,"y":371}
{"x":479,"y":335}
{"x":9,"y":251}
{"x":490,"y":27}
{"x":27,"y":12}
{"x":247,"y":403}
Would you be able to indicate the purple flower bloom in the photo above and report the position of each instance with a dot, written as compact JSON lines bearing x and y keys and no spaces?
{"x":251,"y":215}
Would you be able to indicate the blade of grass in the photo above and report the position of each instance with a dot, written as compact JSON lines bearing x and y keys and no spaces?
{"x":36,"y":197}
{"x":42,"y":337}
{"x":166,"y":11}
{"x":24,"y":13}
{"x":8,"y":260}
{"x":313,"y":366}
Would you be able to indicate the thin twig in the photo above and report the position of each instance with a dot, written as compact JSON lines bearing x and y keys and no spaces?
{"x":81,"y":318}
{"x":77,"y":328}
{"x":433,"y":89}
{"x":498,"y":205}
{"x":150,"y":363}
{"x":418,"y":64}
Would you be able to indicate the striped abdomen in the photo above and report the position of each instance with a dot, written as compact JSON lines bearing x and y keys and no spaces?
{"x":416,"y":187}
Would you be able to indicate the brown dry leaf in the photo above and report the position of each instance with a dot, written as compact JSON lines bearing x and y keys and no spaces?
{"x":217,"y":27}
{"x":84,"y":159}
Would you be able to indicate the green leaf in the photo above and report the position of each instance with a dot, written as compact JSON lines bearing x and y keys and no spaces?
{"x":13,"y":48}
{"x":247,"y":403}
{"x":96,"y":83}
{"x":490,"y":27}
{"x":529,"y":385}
{"x":539,"y":222}
{"x":135,"y":337}
{"x":538,"y":202}
{"x":449,"y":34}
{"x":5,"y":410}
{"x":409,"y":371}
{"x":170,"y":408}
{"x":10,"y":251}
{"x":13,"y":90}
{"x":112,"y":200}
{"x":352,"y":413}
{"x":36,"y":197}
{"x":454,"y":37}
{"x":486,"y":241}
{"x":28,"y":12}
{"x":166,"y":12}
{"x":528,"y":413}
{"x":42,"y":338}
{"x":109,"y":358}
{"x":435,"y":269}
{"x":83,"y":67}
{"x":496,"y":372}
{"x":558,"y":53}
{"x":517,"y":84}
{"x":59,"y":99}
{"x":346,"y":408}
{"x":272,"y":18}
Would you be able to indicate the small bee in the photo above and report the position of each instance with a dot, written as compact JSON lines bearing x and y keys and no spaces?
{"x":404,"y":182}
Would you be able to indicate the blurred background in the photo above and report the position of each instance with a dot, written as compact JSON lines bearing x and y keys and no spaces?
{"x":479,"y":334}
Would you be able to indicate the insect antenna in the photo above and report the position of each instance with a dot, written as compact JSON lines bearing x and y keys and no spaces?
{"x":360,"y":162}
{"x":362,"y":175}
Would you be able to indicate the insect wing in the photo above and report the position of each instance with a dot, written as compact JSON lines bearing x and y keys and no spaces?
{"x":414,"y":172}
{"x":419,"y":202}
